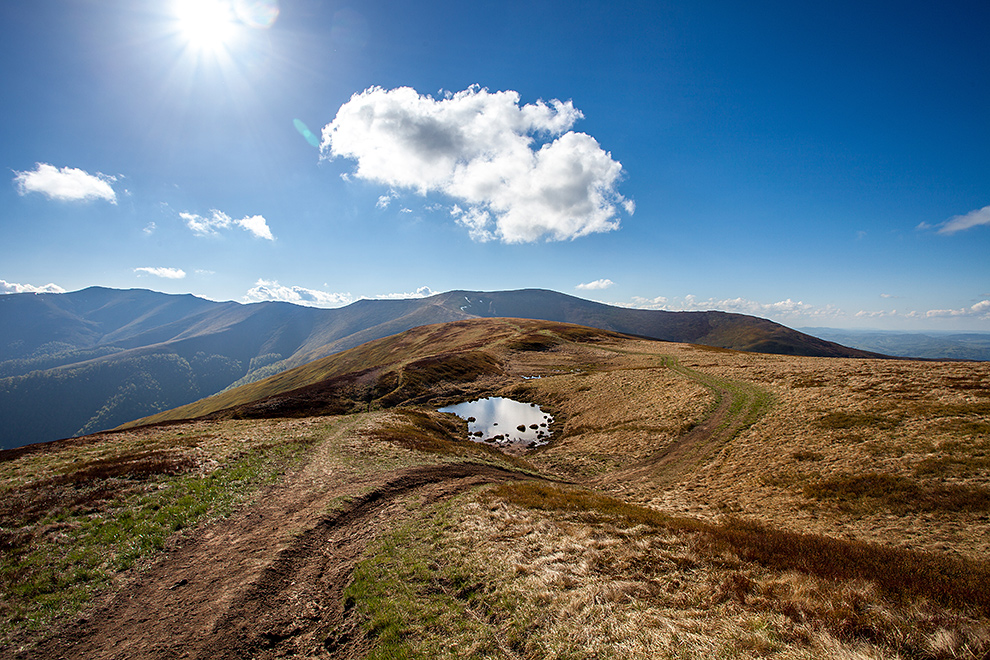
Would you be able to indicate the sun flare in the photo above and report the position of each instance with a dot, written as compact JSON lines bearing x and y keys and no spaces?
{"x":205,"y":24}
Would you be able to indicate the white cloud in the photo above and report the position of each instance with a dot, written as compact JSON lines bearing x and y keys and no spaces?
{"x":211,"y":226}
{"x":788,"y":310}
{"x":520,"y":171}
{"x":596,"y":285}
{"x":11,"y":287}
{"x":980,"y":310}
{"x":421,"y":292}
{"x":265,"y":290}
{"x":167,"y":273}
{"x":257,"y":225}
{"x":67,"y":184}
{"x":797,"y":313}
{"x":150,"y":228}
{"x":968,"y":221}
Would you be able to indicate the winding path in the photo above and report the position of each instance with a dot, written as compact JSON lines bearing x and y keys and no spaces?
{"x":738,"y":406}
{"x":269,"y":581}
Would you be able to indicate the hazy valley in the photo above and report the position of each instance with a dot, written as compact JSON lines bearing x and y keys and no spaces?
{"x":694,"y":501}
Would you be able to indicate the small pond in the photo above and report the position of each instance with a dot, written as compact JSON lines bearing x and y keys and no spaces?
{"x":504,"y":422}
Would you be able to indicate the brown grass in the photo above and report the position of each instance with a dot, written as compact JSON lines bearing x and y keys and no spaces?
{"x":871,"y":490}
{"x":862,"y":591}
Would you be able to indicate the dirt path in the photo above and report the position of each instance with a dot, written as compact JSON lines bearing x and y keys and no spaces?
{"x":739,"y":405}
{"x":269,"y":581}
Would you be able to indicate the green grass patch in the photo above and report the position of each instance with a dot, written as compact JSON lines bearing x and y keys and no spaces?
{"x":411,"y":586}
{"x":107,"y":519}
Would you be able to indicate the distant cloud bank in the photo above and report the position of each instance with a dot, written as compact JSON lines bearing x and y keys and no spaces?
{"x":167,"y":273}
{"x":597,"y":285}
{"x":517,"y":172}
{"x":11,"y":287}
{"x":789,"y":311}
{"x":217,"y":220}
{"x":66,"y":184}
{"x":270,"y":290}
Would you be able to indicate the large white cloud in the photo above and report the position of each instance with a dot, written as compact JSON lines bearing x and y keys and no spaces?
{"x":159,"y":271}
{"x":518,"y":172}
{"x":67,"y":184}
{"x":968,"y":221}
{"x":217,"y":220}
{"x":12,"y":287}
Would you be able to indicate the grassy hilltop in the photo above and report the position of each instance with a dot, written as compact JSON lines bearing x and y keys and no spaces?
{"x":694,"y":502}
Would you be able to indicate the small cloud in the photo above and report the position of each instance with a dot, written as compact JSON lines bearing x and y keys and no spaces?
{"x":167,"y":273}
{"x":968,"y":221}
{"x":257,"y":225}
{"x":66,"y":184}
{"x":201,"y":271}
{"x":270,"y":290}
{"x":597,"y":285}
{"x":218,"y":220}
{"x":149,"y":229}
{"x":518,"y":171}
{"x":383,"y":201}
{"x":11,"y":287}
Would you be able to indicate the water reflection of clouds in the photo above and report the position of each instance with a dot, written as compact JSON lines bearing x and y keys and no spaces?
{"x":498,"y":416}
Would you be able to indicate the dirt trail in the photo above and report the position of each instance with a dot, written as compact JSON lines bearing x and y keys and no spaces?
{"x":672,"y":463}
{"x":269,"y":581}
{"x":739,"y":405}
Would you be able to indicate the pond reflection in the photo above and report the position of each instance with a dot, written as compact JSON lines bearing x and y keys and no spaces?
{"x":504,"y":421}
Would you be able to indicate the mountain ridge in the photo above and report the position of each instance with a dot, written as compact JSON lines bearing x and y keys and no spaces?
{"x":109,"y":355}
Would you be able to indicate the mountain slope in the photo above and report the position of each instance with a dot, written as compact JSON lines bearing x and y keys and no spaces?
{"x":691,"y":502}
{"x":721,"y":329}
{"x":107,"y":356}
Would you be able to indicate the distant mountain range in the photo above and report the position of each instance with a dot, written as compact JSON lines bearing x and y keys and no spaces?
{"x":75,"y":363}
{"x":932,"y":345}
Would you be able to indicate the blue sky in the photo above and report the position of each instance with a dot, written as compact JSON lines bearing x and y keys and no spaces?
{"x":820,"y":164}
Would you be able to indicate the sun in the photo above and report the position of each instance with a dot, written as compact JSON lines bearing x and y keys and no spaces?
{"x":205,"y":24}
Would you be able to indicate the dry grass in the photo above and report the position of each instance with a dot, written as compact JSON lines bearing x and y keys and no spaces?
{"x":843,"y":514}
{"x":532,"y":571}
{"x":916,"y":431}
